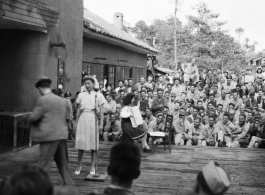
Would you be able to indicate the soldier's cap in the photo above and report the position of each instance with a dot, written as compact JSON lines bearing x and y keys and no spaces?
{"x":159,"y":114}
{"x":215,"y":177}
{"x":67,"y":94}
{"x":173,"y":95}
{"x":182,"y":113}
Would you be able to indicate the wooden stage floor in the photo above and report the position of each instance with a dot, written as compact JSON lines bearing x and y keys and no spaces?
{"x":175,"y":173}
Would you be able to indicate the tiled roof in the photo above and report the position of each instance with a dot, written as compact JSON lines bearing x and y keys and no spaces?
{"x":99,"y":25}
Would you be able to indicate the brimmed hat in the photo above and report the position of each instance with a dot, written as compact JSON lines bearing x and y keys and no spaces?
{"x":215,"y":177}
{"x":43,"y":80}
{"x":182,"y":113}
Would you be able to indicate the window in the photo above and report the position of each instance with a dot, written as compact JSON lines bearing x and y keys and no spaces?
{"x":60,"y":74}
{"x":111,"y":76}
{"x":93,"y":69}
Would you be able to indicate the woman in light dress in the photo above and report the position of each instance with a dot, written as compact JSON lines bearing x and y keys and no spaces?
{"x":129,"y":132}
{"x":87,"y":133}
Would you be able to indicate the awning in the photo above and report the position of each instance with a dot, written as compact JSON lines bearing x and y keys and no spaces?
{"x":160,"y":70}
{"x":27,"y":14}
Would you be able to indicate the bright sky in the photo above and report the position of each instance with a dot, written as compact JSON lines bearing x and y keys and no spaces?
{"x":247,"y":14}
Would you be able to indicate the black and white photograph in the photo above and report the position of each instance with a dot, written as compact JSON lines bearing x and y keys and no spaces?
{"x":124,"y":97}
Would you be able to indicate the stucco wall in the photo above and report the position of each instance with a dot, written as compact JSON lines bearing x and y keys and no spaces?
{"x":26,"y":55}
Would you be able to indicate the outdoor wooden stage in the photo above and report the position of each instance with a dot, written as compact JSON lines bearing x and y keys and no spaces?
{"x":175,"y":173}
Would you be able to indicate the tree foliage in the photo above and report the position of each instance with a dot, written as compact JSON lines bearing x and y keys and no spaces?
{"x":203,"y":38}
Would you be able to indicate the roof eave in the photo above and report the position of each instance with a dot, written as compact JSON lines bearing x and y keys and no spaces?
{"x":115,"y":41}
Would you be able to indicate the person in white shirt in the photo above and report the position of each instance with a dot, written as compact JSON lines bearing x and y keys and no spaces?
{"x":249,"y":78}
{"x":177,"y":88}
{"x":121,"y":86}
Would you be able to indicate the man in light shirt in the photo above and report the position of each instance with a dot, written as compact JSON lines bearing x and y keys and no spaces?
{"x":121,"y":86}
{"x":249,"y":77}
{"x":109,"y":106}
{"x":112,"y":129}
{"x":177,"y":88}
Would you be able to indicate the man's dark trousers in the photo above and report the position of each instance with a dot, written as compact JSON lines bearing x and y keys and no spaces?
{"x":57,"y":150}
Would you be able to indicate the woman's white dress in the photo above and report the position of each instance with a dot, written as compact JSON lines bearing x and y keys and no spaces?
{"x":86,"y":126}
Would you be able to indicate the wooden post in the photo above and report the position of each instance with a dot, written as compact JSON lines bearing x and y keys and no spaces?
{"x":175,"y":33}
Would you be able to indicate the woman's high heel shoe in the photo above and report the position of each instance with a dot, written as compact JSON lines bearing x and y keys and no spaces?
{"x":77,"y":172}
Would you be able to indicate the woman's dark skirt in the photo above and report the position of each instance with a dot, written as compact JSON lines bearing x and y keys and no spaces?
{"x":129,"y":133}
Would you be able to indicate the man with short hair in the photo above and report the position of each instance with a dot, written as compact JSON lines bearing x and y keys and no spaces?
{"x":112,"y":129}
{"x":194,"y":114}
{"x":143,"y":103}
{"x":49,"y":129}
{"x":159,"y":103}
{"x":168,"y":89}
{"x":232,"y":117}
{"x":177,"y":88}
{"x":257,"y":130}
{"x":236,"y":100}
{"x":194,"y":72}
{"x":138,"y":86}
{"x":149,"y":116}
{"x":109,"y":106}
{"x":158,"y":124}
{"x":220,"y":112}
{"x":249,"y":78}
{"x":192,"y":94}
{"x":211,"y":132}
{"x":251,"y":102}
{"x":171,"y":103}
{"x":223,"y":100}
{"x":239,"y":135}
{"x":136,"y":97}
{"x":181,"y":128}
{"x":120,"y":86}
{"x":119,"y":100}
{"x":259,"y":97}
{"x":130,"y":86}
{"x":196,"y":133}
{"x":149,"y":83}
{"x":161,"y":83}
{"x":124,"y":167}
{"x":228,"y":87}
{"x":212,"y":180}
{"x":225,"y":129}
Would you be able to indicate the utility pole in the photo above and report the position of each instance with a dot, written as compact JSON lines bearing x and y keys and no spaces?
{"x":175,"y":33}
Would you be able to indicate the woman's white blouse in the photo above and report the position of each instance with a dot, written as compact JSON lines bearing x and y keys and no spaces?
{"x":126,"y":112}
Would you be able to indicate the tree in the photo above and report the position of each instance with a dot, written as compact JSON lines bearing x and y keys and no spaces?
{"x":239,"y":32}
{"x":202,"y":38}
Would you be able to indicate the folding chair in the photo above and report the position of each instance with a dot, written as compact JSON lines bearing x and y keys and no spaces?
{"x":164,"y":135}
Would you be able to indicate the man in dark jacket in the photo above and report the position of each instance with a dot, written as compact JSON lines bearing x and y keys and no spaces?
{"x":49,"y":129}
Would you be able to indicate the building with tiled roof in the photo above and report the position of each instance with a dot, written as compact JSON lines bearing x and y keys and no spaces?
{"x":99,"y":25}
{"x":61,"y":40}
{"x":111,"y":53}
